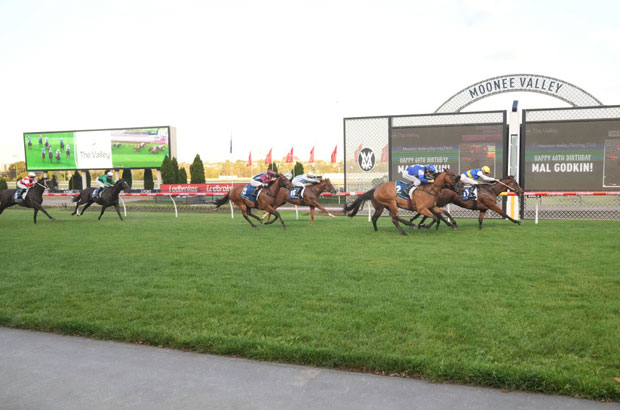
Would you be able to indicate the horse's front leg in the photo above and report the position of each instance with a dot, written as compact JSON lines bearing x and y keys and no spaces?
{"x":451,"y":219}
{"x":315,"y":204}
{"x":439,"y":217}
{"x":118,"y":211}
{"x":275,"y":213}
{"x":445,"y":217}
{"x":38,"y":207}
{"x":498,"y":210}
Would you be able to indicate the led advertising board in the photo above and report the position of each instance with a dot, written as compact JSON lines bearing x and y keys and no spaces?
{"x":572,"y":155}
{"x":98,"y":149}
{"x":458,"y":147}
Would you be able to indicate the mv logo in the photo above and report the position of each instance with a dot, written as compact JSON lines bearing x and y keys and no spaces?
{"x":366,"y":159}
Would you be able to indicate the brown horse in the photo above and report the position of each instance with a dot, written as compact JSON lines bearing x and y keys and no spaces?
{"x":265,"y":200}
{"x":487,"y":195}
{"x":310,"y":198}
{"x":34,"y":198}
{"x":424,"y":200}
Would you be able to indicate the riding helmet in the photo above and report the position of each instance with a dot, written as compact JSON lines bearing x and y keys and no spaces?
{"x":486,"y":169}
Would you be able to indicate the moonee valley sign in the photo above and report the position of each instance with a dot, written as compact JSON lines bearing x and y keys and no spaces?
{"x":519,"y":82}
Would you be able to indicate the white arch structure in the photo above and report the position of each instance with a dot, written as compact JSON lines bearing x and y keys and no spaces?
{"x":553,"y":87}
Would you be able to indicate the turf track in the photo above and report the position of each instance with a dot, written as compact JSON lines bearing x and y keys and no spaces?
{"x":531,"y":307}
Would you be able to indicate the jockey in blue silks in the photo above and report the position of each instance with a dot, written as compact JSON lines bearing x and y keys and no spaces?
{"x":416,"y":174}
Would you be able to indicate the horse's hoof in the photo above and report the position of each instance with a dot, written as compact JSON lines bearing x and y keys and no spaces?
{"x":456,"y":228}
{"x":519,"y":222}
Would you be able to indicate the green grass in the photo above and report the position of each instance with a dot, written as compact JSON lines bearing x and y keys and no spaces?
{"x":127,"y":156}
{"x":531,"y":307}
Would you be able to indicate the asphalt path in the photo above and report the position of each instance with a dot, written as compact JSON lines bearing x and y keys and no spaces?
{"x":48,"y":371}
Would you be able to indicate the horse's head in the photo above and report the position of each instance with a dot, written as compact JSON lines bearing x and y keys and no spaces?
{"x":124,"y":186}
{"x":512,"y":183}
{"x":447,"y":178}
{"x":284,"y":182}
{"x":328,"y":186}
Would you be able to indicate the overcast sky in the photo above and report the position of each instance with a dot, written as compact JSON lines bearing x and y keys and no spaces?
{"x":282,"y":74}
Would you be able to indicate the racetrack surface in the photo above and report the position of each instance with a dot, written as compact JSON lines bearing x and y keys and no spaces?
{"x":48,"y":371}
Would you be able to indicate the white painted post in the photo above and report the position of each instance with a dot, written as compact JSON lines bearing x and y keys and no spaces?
{"x":176,"y":213}
{"x":232,"y":213}
{"x":124,"y":208}
{"x":296,"y":213}
{"x":536,"y":219}
{"x":369,"y":211}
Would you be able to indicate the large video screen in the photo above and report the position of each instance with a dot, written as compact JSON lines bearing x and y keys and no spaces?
{"x":572,"y":155}
{"x":460,"y":148}
{"x":97,"y":149}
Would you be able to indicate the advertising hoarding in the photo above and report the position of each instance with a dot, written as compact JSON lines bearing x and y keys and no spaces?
{"x":98,"y":149}
{"x":213,"y":188}
{"x":572,"y":155}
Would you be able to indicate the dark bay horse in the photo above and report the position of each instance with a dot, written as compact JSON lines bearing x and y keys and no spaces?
{"x":423,"y":201}
{"x":108,"y":198}
{"x":34,"y":199}
{"x":310,"y":197}
{"x":486,"y":200}
{"x":265,"y":200}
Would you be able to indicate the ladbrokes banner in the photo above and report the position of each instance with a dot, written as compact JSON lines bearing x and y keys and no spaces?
{"x":216,"y":188}
{"x":97,"y":149}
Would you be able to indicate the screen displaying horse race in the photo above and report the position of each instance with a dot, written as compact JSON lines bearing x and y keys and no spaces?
{"x":460,"y":147}
{"x":97,"y":149}
{"x":572,"y":155}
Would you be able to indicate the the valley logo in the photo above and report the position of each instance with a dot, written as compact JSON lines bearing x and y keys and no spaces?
{"x":366,"y":159}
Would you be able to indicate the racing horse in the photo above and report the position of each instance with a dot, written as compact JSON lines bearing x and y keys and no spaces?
{"x":108,"y":198}
{"x":310,"y":198}
{"x":424,"y":201}
{"x":265,"y":200}
{"x":486,"y":200}
{"x":34,"y":198}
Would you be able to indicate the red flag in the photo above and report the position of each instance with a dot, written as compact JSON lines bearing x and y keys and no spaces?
{"x":289,"y":156}
{"x":249,"y":164}
{"x":268,"y":159}
{"x":334,"y":153}
{"x":311,"y":155}
{"x":384,"y":153}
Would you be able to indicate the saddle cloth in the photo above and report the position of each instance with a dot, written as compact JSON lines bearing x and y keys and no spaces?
{"x":296,"y":193}
{"x":401,"y":190}
{"x":250,"y":193}
{"x":470,"y":193}
{"x":18,"y":195}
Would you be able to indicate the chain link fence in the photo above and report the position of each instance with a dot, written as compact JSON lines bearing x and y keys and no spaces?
{"x":583,"y":207}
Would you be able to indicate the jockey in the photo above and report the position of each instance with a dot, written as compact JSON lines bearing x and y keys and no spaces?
{"x":304,"y":179}
{"x":416,"y":174}
{"x":263,"y":179}
{"x":26,"y":183}
{"x":104,"y":181}
{"x":472,"y":176}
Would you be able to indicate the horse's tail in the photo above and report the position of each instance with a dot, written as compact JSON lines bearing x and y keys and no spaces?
{"x":352,"y":208}
{"x":76,"y":197}
{"x":222,"y":201}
